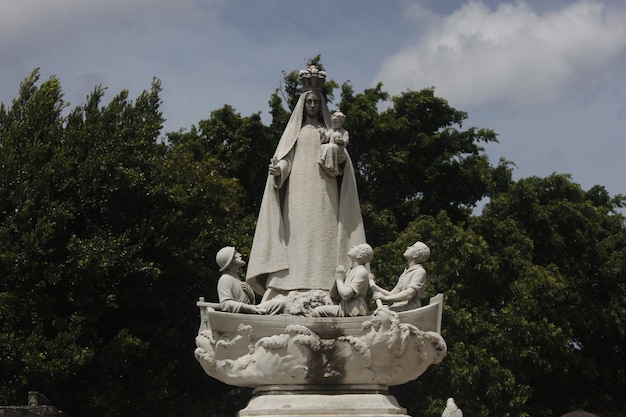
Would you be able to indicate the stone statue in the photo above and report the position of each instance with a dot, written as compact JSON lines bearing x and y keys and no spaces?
{"x":409,"y":290}
{"x":350,"y":288}
{"x":236,"y":296}
{"x":308,"y":220}
{"x":309,"y":249}
{"x":451,"y":409}
{"x":333,"y":149}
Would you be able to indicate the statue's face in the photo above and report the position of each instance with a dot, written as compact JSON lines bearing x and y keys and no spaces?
{"x":410,"y":252}
{"x":316,"y":301}
{"x":238,"y":260}
{"x":312,"y":105}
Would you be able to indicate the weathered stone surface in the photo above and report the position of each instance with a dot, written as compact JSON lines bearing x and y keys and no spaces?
{"x":385,"y":352}
{"x":318,"y":405}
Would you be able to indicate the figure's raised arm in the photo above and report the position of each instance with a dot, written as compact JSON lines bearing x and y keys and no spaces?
{"x":375,"y":288}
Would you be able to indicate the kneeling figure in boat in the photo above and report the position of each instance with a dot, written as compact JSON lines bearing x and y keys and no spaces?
{"x":350,"y":288}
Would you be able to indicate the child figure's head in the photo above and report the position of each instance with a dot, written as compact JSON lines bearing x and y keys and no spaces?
{"x":337,"y":119}
{"x":363,"y":253}
{"x":418,"y":252}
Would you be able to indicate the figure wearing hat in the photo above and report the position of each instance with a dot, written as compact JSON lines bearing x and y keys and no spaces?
{"x":234,"y":294}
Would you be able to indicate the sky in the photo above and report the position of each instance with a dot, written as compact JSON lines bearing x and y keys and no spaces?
{"x":548,"y":76}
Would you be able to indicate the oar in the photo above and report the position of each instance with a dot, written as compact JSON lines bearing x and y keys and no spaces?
{"x":379,"y":303}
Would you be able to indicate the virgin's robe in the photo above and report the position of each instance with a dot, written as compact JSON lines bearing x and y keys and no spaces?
{"x":307,"y":223}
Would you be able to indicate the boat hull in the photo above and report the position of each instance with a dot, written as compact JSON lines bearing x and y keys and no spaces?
{"x":427,"y":318}
{"x":288,"y":352}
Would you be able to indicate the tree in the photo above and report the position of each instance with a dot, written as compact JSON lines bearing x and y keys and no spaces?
{"x":107,"y":237}
{"x":241,"y":145}
{"x":567,"y":294}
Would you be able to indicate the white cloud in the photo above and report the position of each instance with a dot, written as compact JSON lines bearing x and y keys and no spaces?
{"x":511,"y":53}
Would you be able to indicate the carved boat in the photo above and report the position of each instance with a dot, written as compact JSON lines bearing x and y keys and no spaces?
{"x":286,"y":353}
{"x":426,"y":318}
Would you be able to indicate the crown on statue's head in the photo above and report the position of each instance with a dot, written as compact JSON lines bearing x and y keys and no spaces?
{"x":312,"y":78}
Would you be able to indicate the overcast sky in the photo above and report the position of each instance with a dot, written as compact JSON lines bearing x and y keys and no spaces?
{"x":548,"y":76}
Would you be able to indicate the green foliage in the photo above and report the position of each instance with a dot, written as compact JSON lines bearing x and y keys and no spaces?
{"x":242,"y":146}
{"x":564,"y":290}
{"x":106,"y":238}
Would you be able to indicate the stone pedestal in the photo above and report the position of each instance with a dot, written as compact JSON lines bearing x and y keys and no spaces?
{"x":299,"y":404}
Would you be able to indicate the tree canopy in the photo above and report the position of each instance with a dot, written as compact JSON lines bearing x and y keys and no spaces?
{"x":108,"y":233}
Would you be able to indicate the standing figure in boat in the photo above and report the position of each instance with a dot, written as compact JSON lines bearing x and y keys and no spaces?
{"x":308,"y":219}
{"x":409,"y":290}
{"x":235,"y":295}
{"x":350,"y":288}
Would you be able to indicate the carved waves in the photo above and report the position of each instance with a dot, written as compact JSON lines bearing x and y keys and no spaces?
{"x":385,"y":352}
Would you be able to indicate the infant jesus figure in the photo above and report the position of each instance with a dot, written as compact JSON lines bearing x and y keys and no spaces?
{"x":333,"y":148}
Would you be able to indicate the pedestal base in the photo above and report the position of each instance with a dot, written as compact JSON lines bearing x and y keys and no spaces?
{"x":323,"y":405}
